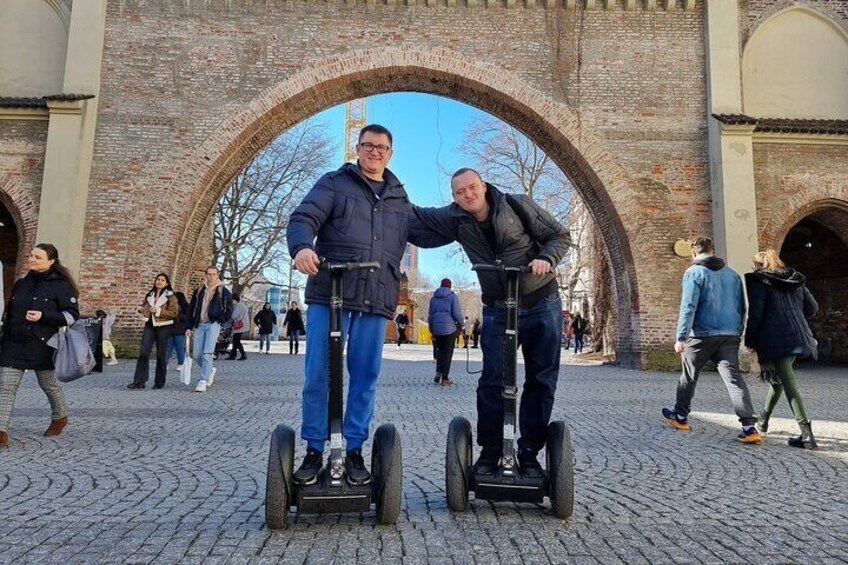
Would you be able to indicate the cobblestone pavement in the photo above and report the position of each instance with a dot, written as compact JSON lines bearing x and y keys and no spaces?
{"x":170,"y":476}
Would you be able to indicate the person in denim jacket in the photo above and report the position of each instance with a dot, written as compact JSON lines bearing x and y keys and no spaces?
{"x":712,"y":309}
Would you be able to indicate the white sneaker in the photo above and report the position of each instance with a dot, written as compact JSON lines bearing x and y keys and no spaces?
{"x":201,"y":386}
{"x":112,"y":362}
{"x":179,"y":367}
{"x":211,"y":378}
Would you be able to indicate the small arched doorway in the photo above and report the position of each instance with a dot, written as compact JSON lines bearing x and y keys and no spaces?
{"x":818,"y":247}
{"x":9,"y":246}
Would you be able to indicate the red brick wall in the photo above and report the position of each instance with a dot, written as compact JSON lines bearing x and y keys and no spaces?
{"x":191,"y":90}
{"x":22,"y":145}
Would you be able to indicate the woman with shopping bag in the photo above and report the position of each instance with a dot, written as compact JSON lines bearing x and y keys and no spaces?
{"x":42,"y":302}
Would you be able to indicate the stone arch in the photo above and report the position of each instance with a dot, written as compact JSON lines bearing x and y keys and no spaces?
{"x":205,"y":173}
{"x":776,"y":236}
{"x":815,"y":241}
{"x":24,"y":217}
{"x":808,"y":45}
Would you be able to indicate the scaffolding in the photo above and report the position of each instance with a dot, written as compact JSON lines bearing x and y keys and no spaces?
{"x":354,"y":121}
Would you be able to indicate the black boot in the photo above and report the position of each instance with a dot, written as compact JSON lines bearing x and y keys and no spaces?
{"x":763,"y":422}
{"x":806,"y":439}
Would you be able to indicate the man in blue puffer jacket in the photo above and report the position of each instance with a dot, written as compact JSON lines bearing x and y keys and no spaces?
{"x":358,"y":213}
{"x":444,"y":319}
{"x":712,"y":309}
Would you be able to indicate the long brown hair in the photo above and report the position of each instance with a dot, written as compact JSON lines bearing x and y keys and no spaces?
{"x":64,"y":272}
{"x":768,"y":260}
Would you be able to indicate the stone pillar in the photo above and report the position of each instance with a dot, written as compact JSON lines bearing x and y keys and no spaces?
{"x":730,"y":148}
{"x":70,"y":136}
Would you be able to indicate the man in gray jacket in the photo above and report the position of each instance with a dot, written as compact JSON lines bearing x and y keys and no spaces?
{"x":492,"y":226}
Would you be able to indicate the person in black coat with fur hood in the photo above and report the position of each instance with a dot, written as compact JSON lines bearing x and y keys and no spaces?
{"x":777,"y":329}
{"x":34,"y":314}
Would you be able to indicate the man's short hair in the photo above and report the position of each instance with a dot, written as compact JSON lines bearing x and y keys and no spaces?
{"x":217,"y":270}
{"x":464,"y":170}
{"x":375,"y":128}
{"x":701,"y":245}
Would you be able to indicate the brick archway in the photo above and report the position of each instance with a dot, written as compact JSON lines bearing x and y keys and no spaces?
{"x":24,"y":214}
{"x":205,"y":174}
{"x":782,"y":224}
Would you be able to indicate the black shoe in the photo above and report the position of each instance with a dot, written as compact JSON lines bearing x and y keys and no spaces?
{"x":135,"y":385}
{"x":243,"y":358}
{"x":157,"y":387}
{"x":438,"y":379}
{"x":233,"y":358}
{"x":308,"y":471}
{"x":529,"y":466}
{"x":487,"y":463}
{"x":355,"y":469}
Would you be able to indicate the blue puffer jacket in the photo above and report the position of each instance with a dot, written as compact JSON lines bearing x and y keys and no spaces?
{"x":780,"y":304}
{"x":445,"y":313}
{"x":343,"y":220}
{"x":713,"y":302}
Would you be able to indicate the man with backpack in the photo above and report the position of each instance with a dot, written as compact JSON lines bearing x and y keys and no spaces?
{"x":493,"y":226}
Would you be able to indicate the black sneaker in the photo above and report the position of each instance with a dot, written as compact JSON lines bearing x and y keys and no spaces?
{"x":355,"y":470}
{"x":529,"y":466}
{"x":487,"y":463}
{"x":135,"y":385}
{"x":308,"y":472}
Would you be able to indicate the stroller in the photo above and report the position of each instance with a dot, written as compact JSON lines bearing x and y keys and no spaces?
{"x":225,"y":339}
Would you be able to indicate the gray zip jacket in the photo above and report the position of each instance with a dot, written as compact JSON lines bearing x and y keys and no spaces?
{"x":534,"y":234}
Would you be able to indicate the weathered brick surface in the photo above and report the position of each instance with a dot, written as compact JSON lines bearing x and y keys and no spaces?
{"x":22,"y":145}
{"x":191,"y":90}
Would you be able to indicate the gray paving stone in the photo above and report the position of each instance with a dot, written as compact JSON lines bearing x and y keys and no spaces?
{"x":172,"y":476}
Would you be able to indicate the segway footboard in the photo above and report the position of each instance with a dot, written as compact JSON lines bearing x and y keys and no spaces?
{"x":325,"y":497}
{"x":506,"y":488}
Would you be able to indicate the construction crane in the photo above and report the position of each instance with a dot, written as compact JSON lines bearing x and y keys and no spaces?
{"x":354,"y":121}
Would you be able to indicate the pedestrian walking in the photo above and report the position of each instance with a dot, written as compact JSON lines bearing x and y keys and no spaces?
{"x":211,"y":305}
{"x":401,"y":323}
{"x":36,"y":311}
{"x":465,"y":330}
{"x":241,"y":325}
{"x":516,"y":230}
{"x":177,"y":339}
{"x":265,"y":320}
{"x":712,"y":307}
{"x":293,"y":322}
{"x":160,"y":309}
{"x":779,"y":304}
{"x":444,"y":319}
{"x":475,"y":332}
{"x":107,"y":322}
{"x":578,"y":328}
{"x":359,"y":212}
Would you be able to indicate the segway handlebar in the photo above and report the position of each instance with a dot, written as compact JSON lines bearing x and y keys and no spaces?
{"x":500,"y":267}
{"x":351,"y":266}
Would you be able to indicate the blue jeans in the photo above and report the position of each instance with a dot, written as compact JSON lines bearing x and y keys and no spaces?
{"x":364,"y":334}
{"x":175,"y":342}
{"x":539,"y":335}
{"x":203,"y":347}
{"x":266,"y":339}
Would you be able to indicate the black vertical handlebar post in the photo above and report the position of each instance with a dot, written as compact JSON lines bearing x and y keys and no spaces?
{"x":335,"y":377}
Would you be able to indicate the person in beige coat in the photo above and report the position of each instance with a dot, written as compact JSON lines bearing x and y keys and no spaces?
{"x":160,"y":308}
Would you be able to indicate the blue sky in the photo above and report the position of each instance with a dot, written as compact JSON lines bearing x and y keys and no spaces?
{"x":427,"y":132}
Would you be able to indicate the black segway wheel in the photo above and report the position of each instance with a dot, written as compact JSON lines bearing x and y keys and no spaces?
{"x":560,"y":460}
{"x":458,"y":464}
{"x":279,"y":489}
{"x":387,"y":473}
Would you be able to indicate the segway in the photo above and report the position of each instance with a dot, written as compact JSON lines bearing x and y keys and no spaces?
{"x":331,"y":492}
{"x":507,"y":483}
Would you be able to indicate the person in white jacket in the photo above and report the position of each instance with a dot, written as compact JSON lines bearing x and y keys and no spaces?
{"x":241,"y":325}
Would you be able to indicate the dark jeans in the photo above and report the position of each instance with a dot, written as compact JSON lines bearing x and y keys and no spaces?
{"x":723,"y":350}
{"x":237,"y":346}
{"x":444,"y":353}
{"x":539,"y":334}
{"x":152,"y":335}
{"x":293,"y":341}
{"x":401,"y":336}
{"x":578,"y":343}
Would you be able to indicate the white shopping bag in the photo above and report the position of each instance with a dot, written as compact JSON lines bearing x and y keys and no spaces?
{"x":187,"y":364}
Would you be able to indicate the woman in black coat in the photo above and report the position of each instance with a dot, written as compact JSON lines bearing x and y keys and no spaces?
{"x":266,"y":320}
{"x":777,"y":329}
{"x":34,"y":314}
